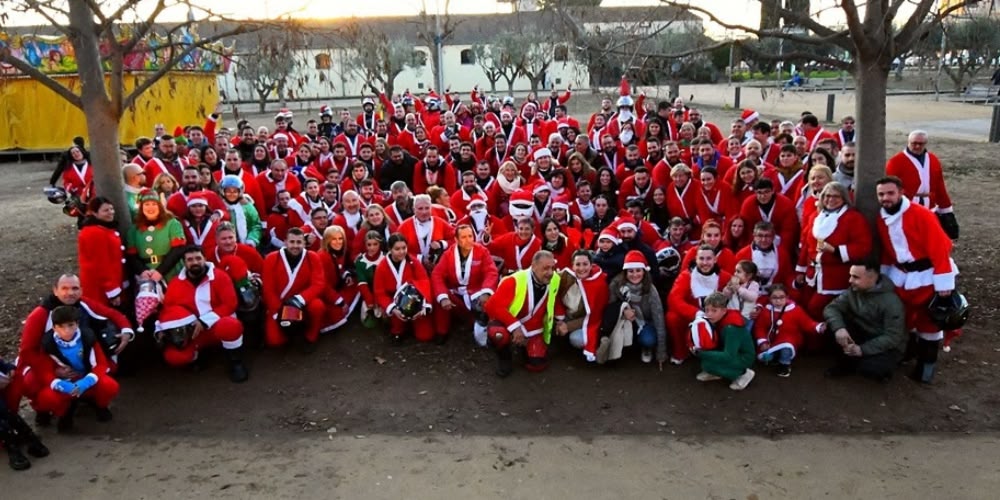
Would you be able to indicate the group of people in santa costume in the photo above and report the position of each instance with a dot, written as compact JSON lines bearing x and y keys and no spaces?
{"x":508,"y":220}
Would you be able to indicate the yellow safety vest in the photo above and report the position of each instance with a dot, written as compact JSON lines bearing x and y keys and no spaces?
{"x":521,"y":284}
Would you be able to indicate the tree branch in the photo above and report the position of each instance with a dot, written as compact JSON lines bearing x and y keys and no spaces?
{"x":915,"y":28}
{"x":37,"y":75}
{"x":39,"y":8}
{"x":854,"y":24}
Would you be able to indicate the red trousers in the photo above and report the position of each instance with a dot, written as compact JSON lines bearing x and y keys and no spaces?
{"x":315,"y":315}
{"x":227,"y":332}
{"x":58,"y":403}
{"x":678,"y":329}
{"x":917,"y":315}
{"x":335,"y":316}
{"x":423,"y":327}
{"x":442,"y":318}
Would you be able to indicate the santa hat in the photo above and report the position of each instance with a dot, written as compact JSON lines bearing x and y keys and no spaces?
{"x":539,"y":186}
{"x":522,"y":196}
{"x":749,"y":116}
{"x":635,"y":260}
{"x":197,"y":199}
{"x":561,"y":201}
{"x":609,"y":234}
{"x":476,"y":199}
{"x":178,"y":131}
{"x":542,"y":152}
{"x":174,"y":317}
{"x":625,"y":93}
{"x":283,"y":114}
{"x":625,"y":222}
{"x":324,"y":110}
{"x":279,"y":135}
{"x":502,"y":113}
{"x":561,"y":123}
{"x":530,"y":104}
{"x":367,"y":145}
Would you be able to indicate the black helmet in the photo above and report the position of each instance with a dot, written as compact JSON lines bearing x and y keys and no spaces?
{"x":56,"y":195}
{"x":292,"y":315}
{"x":178,"y":336}
{"x":74,"y":207}
{"x":951,"y":312}
{"x":248,"y":296}
{"x":409,"y":300}
{"x":668,"y":260}
{"x":108,"y":337}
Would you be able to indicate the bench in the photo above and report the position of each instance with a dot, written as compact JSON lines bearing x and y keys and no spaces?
{"x":810,"y":85}
{"x":980,"y":93}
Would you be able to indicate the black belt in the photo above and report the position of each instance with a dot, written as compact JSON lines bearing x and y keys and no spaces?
{"x":916,"y":266}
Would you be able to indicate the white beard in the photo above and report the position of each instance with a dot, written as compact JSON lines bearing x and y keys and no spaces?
{"x":624,"y":116}
{"x":519,"y":213}
{"x":479,"y":217}
{"x":626,"y":136}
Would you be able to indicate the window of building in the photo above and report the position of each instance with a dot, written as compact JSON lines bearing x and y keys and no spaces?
{"x":323,"y":61}
{"x":468,"y":56}
{"x":561,"y":53}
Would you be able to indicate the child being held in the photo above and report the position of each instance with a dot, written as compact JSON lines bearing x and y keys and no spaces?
{"x":781,"y":330}
{"x":743,"y":290}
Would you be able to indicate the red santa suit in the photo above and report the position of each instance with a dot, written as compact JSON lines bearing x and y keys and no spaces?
{"x":816,"y":135}
{"x":96,"y":367}
{"x":789,"y":186}
{"x":269,"y":188}
{"x":102,"y":262}
{"x":724,"y":258}
{"x":322,"y":166}
{"x":463,"y":283}
{"x":515,"y":252}
{"x":341,"y":292}
{"x":782,"y":216}
{"x":248,"y":255}
{"x":594,"y":298}
{"x":178,"y":202}
{"x":212,"y":301}
{"x":439,"y":135}
{"x":531,"y":317}
{"x":786,"y":328}
{"x":481,"y":221}
{"x":350,"y":223}
{"x":305,"y":280}
{"x":774,"y":266}
{"x":423,"y":178}
{"x":152,"y":167}
{"x":352,"y":143}
{"x":389,"y":278}
{"x":828,"y":274}
{"x":684,"y":204}
{"x":717,"y":204}
{"x":923,"y":181}
{"x":26,"y":380}
{"x":78,"y":180}
{"x":916,"y":255}
{"x":630,"y":190}
{"x":460,"y":200}
{"x":684,"y":302}
{"x":201,"y":233}
{"x":420,"y":235}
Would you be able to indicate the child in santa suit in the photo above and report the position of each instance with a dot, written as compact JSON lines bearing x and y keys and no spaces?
{"x":395,"y":270}
{"x":687,"y":296}
{"x":462,"y":281}
{"x":781,"y":330}
{"x":719,"y":338}
{"x":293,"y":281}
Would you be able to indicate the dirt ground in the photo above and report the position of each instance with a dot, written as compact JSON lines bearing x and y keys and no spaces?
{"x":356,"y":384}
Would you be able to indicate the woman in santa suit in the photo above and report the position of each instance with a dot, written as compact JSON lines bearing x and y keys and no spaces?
{"x":260,"y":162}
{"x":685,"y":299}
{"x":516,"y":248}
{"x":561,"y":246}
{"x":522,"y":160}
{"x":462,"y":281}
{"x":836,"y":236}
{"x":508,"y":181}
{"x":715,"y":201}
{"x":807,"y":201}
{"x":441,"y":204}
{"x":391,"y":273}
{"x":744,"y":182}
{"x":341,"y":292}
{"x":375,"y":220}
{"x":76,"y":172}
{"x":711,"y":235}
{"x":199,"y":228}
{"x":101,"y":254}
{"x":788,"y":175}
{"x":682,"y":198}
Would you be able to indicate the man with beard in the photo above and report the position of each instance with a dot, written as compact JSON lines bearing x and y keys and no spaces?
{"x":918,"y":253}
{"x":465,"y":159}
{"x":294,"y":282}
{"x":628,"y":227}
{"x":399,"y":167}
{"x":653,"y":152}
{"x":485,"y":225}
{"x":202,"y":300}
{"x":695,"y":117}
{"x":449,"y":127}
{"x":605,"y":111}
{"x":462,"y":283}
{"x":433,"y":171}
{"x":638,"y":186}
{"x":767,"y":205}
{"x":30,"y":357}
{"x":426,"y":236}
{"x":761,"y":132}
{"x":401,"y":207}
{"x":846,"y":132}
{"x":710,"y":157}
{"x":627,"y":167}
{"x":169,"y":161}
{"x":484,"y":178}
{"x":461,"y":198}
{"x":350,"y":138}
{"x":844,"y":173}
{"x":190,"y":185}
{"x":514,"y":133}
{"x":522,"y":317}
{"x":671,"y":157}
{"x":923,"y":180}
{"x":367,"y":118}
{"x":352,"y":215}
{"x":582,"y":145}
{"x":532,"y":122}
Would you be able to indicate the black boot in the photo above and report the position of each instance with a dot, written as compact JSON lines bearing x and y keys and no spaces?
{"x":9,"y":441}
{"x":27,"y":436}
{"x":237,"y":370}
{"x":505,"y":362}
{"x":65,"y":423}
{"x":927,"y":353}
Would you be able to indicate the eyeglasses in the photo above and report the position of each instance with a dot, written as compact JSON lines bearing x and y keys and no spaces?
{"x":915,"y":143}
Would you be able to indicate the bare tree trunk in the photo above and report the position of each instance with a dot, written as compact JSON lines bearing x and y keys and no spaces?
{"x":510,"y":86}
{"x":871,"y":80}
{"x":102,"y":120}
{"x":263,"y":100}
{"x":535,"y":82}
{"x":675,"y":87}
{"x":493,"y":86}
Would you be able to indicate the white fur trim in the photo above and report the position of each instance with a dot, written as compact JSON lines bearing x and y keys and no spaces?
{"x":166,"y":325}
{"x":235,"y":344}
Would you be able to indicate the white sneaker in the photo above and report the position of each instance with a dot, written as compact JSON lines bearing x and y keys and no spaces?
{"x":706,"y":377}
{"x":675,"y":361}
{"x":647,"y":355}
{"x":742,"y":381}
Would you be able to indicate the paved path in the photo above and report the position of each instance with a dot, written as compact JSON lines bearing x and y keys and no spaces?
{"x":439,"y":466}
